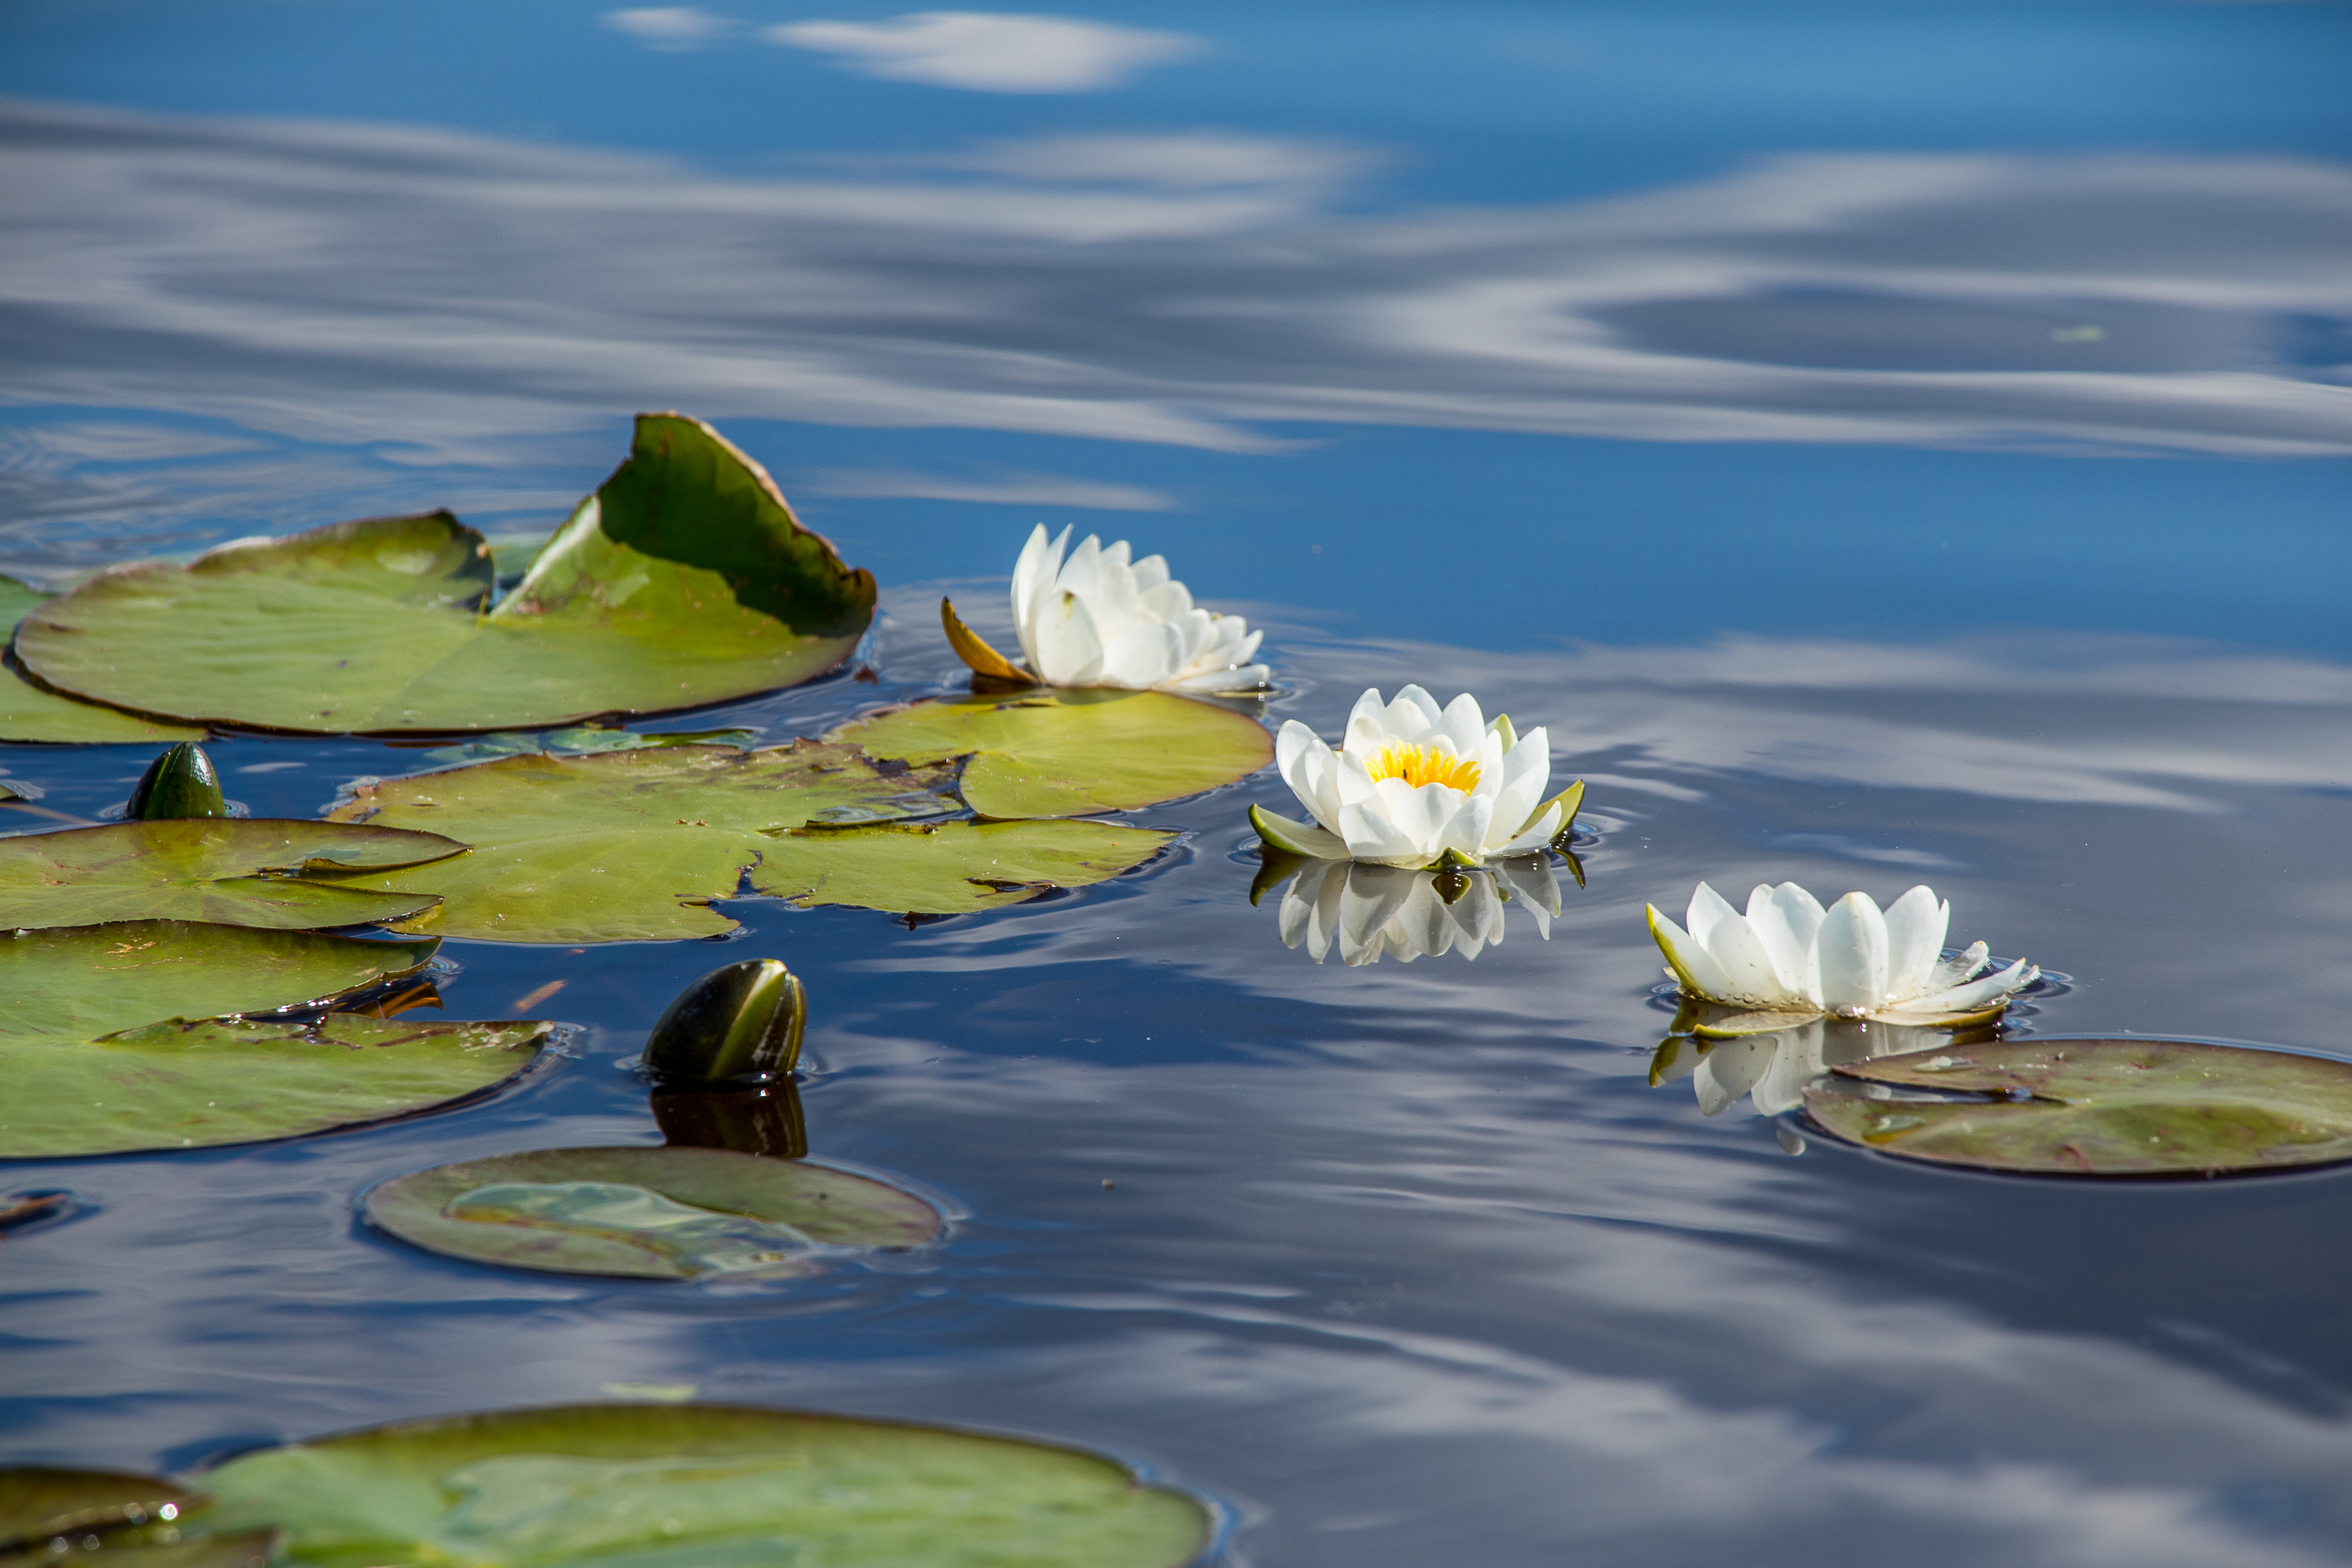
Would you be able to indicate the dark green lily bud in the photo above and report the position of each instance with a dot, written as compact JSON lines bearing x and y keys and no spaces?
{"x":741,"y":1021}
{"x":757,"y":1119}
{"x":180,"y":782}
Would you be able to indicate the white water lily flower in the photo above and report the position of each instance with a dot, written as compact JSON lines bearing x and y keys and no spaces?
{"x":1787,"y":955}
{"x":1413,"y":785}
{"x":1381,"y":911}
{"x":1099,"y":619}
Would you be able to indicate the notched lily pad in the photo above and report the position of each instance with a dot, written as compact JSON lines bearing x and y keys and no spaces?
{"x":684,"y":580}
{"x":182,"y":1085}
{"x":636,"y":845}
{"x":237,"y":871}
{"x":671,"y":1213}
{"x":2101,"y":1106}
{"x":1071,"y":752}
{"x":697,"y":1484}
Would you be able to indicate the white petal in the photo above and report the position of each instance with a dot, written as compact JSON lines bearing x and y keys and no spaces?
{"x":1785,"y":919}
{"x":1069,"y":652}
{"x":1142,"y":656}
{"x":1371,"y":837}
{"x":1976,"y":994}
{"x":1728,"y":939}
{"x":1699,"y":974}
{"x":1240,"y":678}
{"x":1311,"y":771}
{"x":1464,"y":724}
{"x":1916,"y":924}
{"x":1541,"y":832}
{"x":1852,"y":953}
{"x":1412,"y":700}
{"x":1952,"y":970}
{"x":1033,"y":574}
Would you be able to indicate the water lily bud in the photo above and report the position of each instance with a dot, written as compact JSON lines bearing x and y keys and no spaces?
{"x":739,"y":1021}
{"x":758,"y":1119}
{"x":180,"y":782}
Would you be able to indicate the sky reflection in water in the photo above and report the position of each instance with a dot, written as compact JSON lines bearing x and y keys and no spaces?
{"x":1717,"y":390}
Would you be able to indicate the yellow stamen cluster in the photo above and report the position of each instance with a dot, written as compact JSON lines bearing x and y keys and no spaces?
{"x":1419,"y":766}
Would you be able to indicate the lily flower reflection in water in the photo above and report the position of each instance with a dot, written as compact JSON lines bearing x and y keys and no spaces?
{"x":1773,"y":1068}
{"x":699,"y":1240}
{"x":1788,"y":960}
{"x":1384,"y":911}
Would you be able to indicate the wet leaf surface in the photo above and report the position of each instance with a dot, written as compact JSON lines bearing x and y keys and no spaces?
{"x":232,"y":871}
{"x":154,"y":1547}
{"x":622,"y":846}
{"x":635,"y":1485}
{"x":685,"y":580}
{"x":1072,"y":753}
{"x":2101,"y":1106}
{"x":176,"y":1085}
{"x":38,"y":1503}
{"x":669,"y":1212}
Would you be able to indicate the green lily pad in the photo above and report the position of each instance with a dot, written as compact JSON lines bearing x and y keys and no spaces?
{"x":669,"y":1212}
{"x":38,"y":1504}
{"x":685,"y":580}
{"x":78,"y":983}
{"x":2101,"y":1108}
{"x":1071,"y":754}
{"x":234,"y":871}
{"x":32,"y":712}
{"x":947,"y":867}
{"x":583,"y":739}
{"x":636,"y":845}
{"x":665,"y":1486}
{"x":178,"y":1084}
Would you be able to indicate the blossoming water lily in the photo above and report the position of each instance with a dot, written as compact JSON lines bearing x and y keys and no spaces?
{"x":1380,"y":911}
{"x":1787,"y":959}
{"x":1415,"y":785}
{"x":1100,"y":619}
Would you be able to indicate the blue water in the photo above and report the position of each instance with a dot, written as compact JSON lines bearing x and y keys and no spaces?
{"x":1880,"y":444}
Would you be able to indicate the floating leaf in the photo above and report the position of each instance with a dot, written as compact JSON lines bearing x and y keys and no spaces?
{"x":583,"y":739}
{"x":709,"y":1485}
{"x":1072,"y":753}
{"x":684,"y":580}
{"x":156,"y":1546}
{"x":33,"y":712}
{"x":38,"y":1504}
{"x":634,"y":845}
{"x":671,"y":1213}
{"x":2102,"y":1107}
{"x":947,"y":867}
{"x":78,"y":983}
{"x":252,"y":872}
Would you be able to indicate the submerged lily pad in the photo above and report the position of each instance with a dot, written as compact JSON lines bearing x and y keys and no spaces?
{"x":234,"y":871}
{"x":1072,"y":753}
{"x":684,"y":580}
{"x":2101,"y":1106}
{"x":636,"y":845}
{"x":711,"y":1486}
{"x":33,"y":712}
{"x":669,"y":1212}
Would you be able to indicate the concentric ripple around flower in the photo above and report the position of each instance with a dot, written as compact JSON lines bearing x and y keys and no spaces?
{"x":1413,"y":785}
{"x":1787,"y":959}
{"x":1098,"y":619}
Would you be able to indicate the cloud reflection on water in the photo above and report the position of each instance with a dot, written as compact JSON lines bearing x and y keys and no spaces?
{"x":405,"y":284}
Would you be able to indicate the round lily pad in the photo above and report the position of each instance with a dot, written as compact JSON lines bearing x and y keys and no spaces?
{"x":636,"y":845}
{"x":684,"y":580}
{"x":182,"y":1085}
{"x":29,"y":711}
{"x":237,"y":871}
{"x":2101,"y":1106}
{"x":710,"y":1486}
{"x":671,"y":1213}
{"x":1071,"y":752}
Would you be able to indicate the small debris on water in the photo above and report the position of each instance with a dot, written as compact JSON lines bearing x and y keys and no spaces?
{"x":1108,"y":1183}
